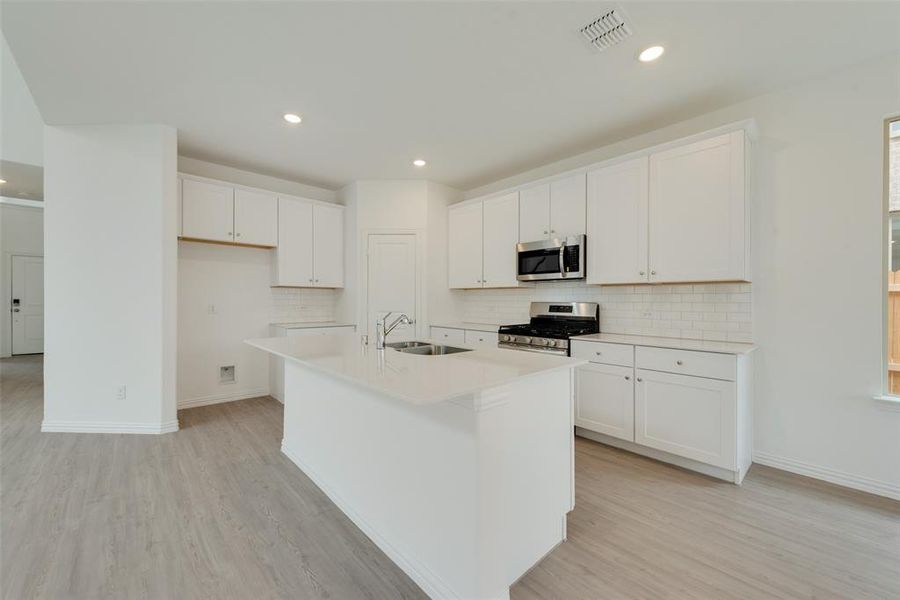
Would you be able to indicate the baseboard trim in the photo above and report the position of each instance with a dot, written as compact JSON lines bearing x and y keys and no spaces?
{"x":430,"y":583}
{"x":220,"y":398}
{"x":105,"y":427}
{"x":862,"y":484}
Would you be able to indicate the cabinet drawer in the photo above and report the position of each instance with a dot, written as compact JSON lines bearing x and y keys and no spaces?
{"x":447,"y":335}
{"x":601,"y":352}
{"x":687,"y":362}
{"x":481,"y":339}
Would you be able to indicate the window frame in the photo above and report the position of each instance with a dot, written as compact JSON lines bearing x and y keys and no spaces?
{"x":890,"y":399}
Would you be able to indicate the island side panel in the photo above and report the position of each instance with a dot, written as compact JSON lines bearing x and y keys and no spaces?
{"x":405,"y":474}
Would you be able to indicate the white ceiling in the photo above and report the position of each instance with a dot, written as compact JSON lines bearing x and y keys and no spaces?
{"x":481,"y":90}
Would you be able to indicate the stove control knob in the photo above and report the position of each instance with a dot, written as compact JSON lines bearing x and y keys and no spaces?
{"x":525,"y":340}
{"x":551,"y":343}
{"x":504,"y":337}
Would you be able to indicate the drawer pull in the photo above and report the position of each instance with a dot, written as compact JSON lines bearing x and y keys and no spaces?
{"x":628,"y":378}
{"x":639,"y":379}
{"x":679,"y":363}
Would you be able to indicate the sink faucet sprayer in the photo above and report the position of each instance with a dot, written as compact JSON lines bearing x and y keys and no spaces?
{"x":382,"y":329}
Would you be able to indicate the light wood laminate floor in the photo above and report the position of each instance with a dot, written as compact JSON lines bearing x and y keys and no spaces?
{"x":215,"y":511}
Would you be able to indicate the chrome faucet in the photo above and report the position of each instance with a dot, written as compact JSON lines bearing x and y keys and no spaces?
{"x":382,"y":329}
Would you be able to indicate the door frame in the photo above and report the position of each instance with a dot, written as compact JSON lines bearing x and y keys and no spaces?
{"x":8,"y":277}
{"x":363,"y":277}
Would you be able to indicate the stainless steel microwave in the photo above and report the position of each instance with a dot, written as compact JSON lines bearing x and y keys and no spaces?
{"x":561,"y":258}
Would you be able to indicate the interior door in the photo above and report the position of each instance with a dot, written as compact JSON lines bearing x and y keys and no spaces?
{"x":27,"y":304}
{"x":392,"y":283}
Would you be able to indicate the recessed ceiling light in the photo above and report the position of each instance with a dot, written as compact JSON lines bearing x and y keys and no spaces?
{"x":650,"y":54}
{"x":2,"y":181}
{"x":419,"y":162}
{"x":292,"y":118}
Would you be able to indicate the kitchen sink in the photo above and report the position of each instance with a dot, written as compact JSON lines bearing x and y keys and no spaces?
{"x":399,"y":345}
{"x":432,"y":350}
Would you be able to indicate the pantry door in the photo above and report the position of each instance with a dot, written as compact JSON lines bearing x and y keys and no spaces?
{"x":392,"y":282}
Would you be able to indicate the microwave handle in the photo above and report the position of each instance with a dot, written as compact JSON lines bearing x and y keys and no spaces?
{"x":562,"y":259}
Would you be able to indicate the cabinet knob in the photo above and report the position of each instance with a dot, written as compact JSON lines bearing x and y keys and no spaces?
{"x":628,"y":378}
{"x":653,"y":272}
{"x":598,"y":353}
{"x":679,"y":363}
{"x":545,"y":232}
{"x":641,"y":273}
{"x":639,"y":379}
{"x":552,"y":231}
{"x":310,"y":280}
{"x":237,"y":234}
{"x":229,"y":233}
{"x":317,"y":281}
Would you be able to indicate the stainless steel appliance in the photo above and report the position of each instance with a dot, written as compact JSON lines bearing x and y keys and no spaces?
{"x":551,"y":326}
{"x":561,"y":258}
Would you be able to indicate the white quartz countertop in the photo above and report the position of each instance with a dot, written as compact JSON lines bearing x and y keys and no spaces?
{"x":486,"y":327}
{"x":414,"y":378}
{"x":311,"y":325}
{"x":664,"y":342}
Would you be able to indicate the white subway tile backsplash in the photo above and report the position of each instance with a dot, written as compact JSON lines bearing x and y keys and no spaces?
{"x":302,"y":305}
{"x":710,"y":311}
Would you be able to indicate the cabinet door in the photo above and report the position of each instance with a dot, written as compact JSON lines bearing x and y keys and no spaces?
{"x":481,"y":339}
{"x":604,"y":400}
{"x":693,"y":417}
{"x":697,"y":211}
{"x":617,"y":223}
{"x":465,"y":246}
{"x":447,"y":335}
{"x":534,"y":213}
{"x":501,"y":234}
{"x":294,"y":255}
{"x":255,"y":218}
{"x":207,"y":211}
{"x":328,"y":246}
{"x":567,"y":206}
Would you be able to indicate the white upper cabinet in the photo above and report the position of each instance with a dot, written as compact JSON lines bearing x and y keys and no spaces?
{"x":294,"y":257}
{"x":698,"y":221}
{"x":310,"y":244}
{"x":207,"y":211}
{"x":534,"y":213}
{"x":255,"y":218}
{"x":501,"y":234}
{"x":567,"y":206}
{"x":328,"y":246}
{"x":617,"y":205}
{"x":465,"y":245}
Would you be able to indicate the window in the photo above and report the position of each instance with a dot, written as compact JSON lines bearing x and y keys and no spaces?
{"x":893,"y":275}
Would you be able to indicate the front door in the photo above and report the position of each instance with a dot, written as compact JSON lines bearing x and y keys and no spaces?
{"x":392,"y":282}
{"x":27,"y":304}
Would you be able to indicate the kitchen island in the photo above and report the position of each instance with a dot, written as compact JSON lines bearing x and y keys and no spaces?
{"x":459,"y":467}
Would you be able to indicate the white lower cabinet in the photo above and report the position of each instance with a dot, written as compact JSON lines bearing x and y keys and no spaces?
{"x":447,"y":335}
{"x":605,"y":400}
{"x":688,"y":416}
{"x":481,"y":339}
{"x":687,"y":407}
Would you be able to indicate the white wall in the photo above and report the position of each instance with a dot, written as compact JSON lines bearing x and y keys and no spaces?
{"x":234,"y":282}
{"x":215,"y":171}
{"x":398,"y":206}
{"x":818,"y":276}
{"x":110,"y":272}
{"x":237,"y":281}
{"x":21,"y":232}
{"x":21,"y":126}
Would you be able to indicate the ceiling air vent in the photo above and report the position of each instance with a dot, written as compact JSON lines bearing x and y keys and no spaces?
{"x":606,"y":31}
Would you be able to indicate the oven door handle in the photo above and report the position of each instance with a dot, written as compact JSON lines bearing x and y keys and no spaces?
{"x":562,"y":260}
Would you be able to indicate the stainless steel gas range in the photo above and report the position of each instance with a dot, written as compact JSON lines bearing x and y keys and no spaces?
{"x":551,"y":326}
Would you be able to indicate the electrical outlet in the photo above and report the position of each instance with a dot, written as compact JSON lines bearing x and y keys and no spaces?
{"x":226,"y":374}
{"x":121,"y":392}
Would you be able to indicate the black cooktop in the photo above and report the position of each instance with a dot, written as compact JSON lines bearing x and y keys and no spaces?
{"x":553,"y":328}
